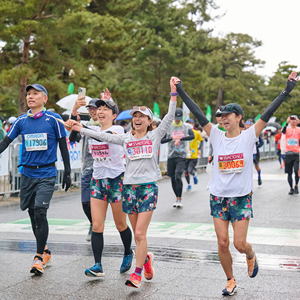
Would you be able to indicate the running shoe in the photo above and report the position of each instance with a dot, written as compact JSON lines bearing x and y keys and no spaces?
{"x":280,"y":166}
{"x":195,"y":178}
{"x":127,"y":263}
{"x":179,"y":204}
{"x":230,"y":288}
{"x":189,"y":187}
{"x":252,"y":266}
{"x":134,"y":280}
{"x":175,"y":203}
{"x":148,"y":266}
{"x":95,"y":271}
{"x":291,"y":192}
{"x":89,"y":235}
{"x":296,"y":191}
{"x":47,"y":259}
{"x":37,"y":267}
{"x":259,"y":181}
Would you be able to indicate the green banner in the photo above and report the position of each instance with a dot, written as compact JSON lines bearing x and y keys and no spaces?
{"x":257,"y":118}
{"x":208,"y":113}
{"x":156,"y":111}
{"x":283,"y":124}
{"x":71,"y":88}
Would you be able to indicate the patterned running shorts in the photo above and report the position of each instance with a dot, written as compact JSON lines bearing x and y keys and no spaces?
{"x":137,"y":199}
{"x":231,"y":208}
{"x":108,"y":189}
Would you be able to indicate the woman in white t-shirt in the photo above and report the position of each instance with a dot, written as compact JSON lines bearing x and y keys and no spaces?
{"x":232,"y":180}
{"x":106,"y":187}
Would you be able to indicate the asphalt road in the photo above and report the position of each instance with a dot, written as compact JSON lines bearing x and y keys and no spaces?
{"x":182,"y":240}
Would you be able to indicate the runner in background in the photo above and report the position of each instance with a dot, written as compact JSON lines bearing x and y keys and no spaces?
{"x":278,"y":147}
{"x":292,"y":149}
{"x":142,"y":171}
{"x":220,"y":126}
{"x":231,"y":184}
{"x":41,"y":133}
{"x":191,"y":161}
{"x":256,"y":154}
{"x":177,"y":136}
{"x":87,"y":159}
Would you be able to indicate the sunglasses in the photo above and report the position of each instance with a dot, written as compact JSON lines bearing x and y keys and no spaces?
{"x":229,"y":108}
{"x":142,"y":108}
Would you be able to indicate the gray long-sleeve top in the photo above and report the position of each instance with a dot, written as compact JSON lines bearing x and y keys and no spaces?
{"x":141,"y":154}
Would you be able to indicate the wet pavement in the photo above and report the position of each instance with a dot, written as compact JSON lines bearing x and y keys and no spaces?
{"x":182,"y":240}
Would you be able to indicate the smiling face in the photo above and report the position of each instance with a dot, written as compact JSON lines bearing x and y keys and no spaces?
{"x":105,"y":115}
{"x":231,"y":121}
{"x":93,"y":112}
{"x":36,"y":100}
{"x":140,"y":122}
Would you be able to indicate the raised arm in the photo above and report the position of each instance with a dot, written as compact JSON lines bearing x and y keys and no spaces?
{"x":194,"y":108}
{"x":97,"y":135}
{"x":273,"y":106}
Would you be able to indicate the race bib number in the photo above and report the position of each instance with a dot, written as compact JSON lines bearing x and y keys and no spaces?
{"x":292,"y":142}
{"x":100,"y":152}
{"x":36,"y":141}
{"x":233,"y":163}
{"x":177,"y":133}
{"x":139,"y":149}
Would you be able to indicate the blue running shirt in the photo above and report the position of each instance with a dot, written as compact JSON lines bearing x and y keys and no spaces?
{"x":39,"y":142}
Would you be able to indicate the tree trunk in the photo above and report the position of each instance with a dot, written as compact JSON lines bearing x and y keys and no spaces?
{"x":24,"y":80}
{"x":219,"y":101}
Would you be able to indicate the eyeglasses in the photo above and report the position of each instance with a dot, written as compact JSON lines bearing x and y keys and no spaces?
{"x":142,"y":108}
{"x":92,"y":108}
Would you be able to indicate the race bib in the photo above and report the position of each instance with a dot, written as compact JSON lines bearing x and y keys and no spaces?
{"x":175,"y":133}
{"x":233,"y":163}
{"x":139,"y":149}
{"x":36,"y":141}
{"x":292,"y":142}
{"x":100,"y":152}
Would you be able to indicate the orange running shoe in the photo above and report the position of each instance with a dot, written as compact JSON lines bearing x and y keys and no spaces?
{"x":230,"y":288}
{"x":134,"y":280}
{"x":148,"y":266}
{"x":47,"y":259}
{"x":37,"y":267}
{"x":252,"y":266}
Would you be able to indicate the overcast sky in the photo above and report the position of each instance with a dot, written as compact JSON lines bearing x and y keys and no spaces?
{"x":274,"y":22}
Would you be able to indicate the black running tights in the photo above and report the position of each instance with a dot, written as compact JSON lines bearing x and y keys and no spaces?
{"x":177,"y":184}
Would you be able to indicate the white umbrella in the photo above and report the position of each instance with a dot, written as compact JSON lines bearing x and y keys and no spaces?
{"x":69,"y":101}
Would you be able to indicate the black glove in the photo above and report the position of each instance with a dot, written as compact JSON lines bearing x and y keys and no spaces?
{"x":289,"y":87}
{"x":66,"y":181}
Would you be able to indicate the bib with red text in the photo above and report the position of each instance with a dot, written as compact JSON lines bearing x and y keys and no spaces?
{"x":232,"y":163}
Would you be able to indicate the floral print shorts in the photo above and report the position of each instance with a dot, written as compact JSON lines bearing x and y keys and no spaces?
{"x":137,"y":199}
{"x":108,"y":189}
{"x":231,"y":208}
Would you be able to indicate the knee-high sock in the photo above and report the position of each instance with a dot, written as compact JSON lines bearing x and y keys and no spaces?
{"x":126,"y":237}
{"x":97,"y":245}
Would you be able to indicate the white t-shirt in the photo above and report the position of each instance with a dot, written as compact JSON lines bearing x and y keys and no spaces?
{"x":108,"y":158}
{"x":233,"y":168}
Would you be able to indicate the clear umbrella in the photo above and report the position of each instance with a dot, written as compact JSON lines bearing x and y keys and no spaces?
{"x":69,"y":101}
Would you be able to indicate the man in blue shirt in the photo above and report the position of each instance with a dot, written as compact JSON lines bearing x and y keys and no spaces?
{"x":41,"y":133}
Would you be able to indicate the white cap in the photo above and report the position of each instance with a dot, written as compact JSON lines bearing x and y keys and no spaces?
{"x":147,"y":111}
{"x":11,"y":120}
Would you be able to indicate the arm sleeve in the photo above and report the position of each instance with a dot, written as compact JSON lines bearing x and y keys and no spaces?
{"x":166,"y":139}
{"x":260,"y":142}
{"x":189,"y":137}
{"x":194,"y":108}
{"x":284,"y":128}
{"x":65,"y":154}
{"x":5,"y":143}
{"x":104,"y":137}
{"x":210,"y":150}
{"x":75,"y":136}
{"x":267,"y":114}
